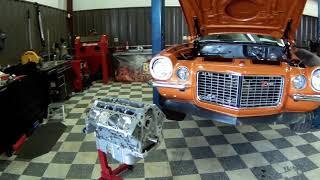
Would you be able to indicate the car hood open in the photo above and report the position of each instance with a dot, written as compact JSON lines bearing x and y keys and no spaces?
{"x":277,"y":18}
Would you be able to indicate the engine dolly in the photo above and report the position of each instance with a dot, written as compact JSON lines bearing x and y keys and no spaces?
{"x":106,"y":172}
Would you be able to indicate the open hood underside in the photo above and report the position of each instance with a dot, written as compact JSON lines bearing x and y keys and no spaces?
{"x":277,"y":18}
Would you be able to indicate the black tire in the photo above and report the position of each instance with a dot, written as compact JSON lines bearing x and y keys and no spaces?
{"x":174,"y":115}
{"x":304,"y":126}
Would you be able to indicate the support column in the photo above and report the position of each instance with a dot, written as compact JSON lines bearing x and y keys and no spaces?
{"x":158,"y":34}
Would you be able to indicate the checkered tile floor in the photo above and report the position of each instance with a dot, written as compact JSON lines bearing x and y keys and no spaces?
{"x":193,"y":149}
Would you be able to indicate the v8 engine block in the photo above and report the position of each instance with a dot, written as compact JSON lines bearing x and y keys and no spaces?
{"x":125,"y":129}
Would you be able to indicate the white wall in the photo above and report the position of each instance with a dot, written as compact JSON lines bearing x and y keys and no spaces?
{"x":60,"y":4}
{"x":108,"y":4}
{"x":311,"y":7}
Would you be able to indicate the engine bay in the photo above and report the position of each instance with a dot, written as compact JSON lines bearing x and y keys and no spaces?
{"x":240,"y":51}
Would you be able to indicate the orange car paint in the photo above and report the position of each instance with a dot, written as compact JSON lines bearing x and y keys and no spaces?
{"x":244,"y":67}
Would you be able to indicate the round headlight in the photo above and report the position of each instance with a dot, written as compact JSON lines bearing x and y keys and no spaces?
{"x":300,"y":82}
{"x":315,"y":81}
{"x":183,"y":73}
{"x":161,"y":68}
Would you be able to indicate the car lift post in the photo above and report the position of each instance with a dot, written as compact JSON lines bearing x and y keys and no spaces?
{"x":317,"y":121}
{"x":158,"y":34}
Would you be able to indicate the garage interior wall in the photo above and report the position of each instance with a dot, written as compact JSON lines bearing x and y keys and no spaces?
{"x":14,"y":23}
{"x":134,"y":25}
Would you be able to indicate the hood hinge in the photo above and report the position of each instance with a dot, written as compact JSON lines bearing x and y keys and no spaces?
{"x":196,"y":26}
{"x":286,"y":33}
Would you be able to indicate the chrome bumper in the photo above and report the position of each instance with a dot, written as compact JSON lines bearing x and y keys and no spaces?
{"x":181,"y":87}
{"x":300,"y":97}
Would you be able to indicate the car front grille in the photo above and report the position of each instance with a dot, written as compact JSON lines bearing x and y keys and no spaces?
{"x":239,"y":91}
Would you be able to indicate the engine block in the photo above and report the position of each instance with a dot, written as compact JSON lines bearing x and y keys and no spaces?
{"x":126,"y":130}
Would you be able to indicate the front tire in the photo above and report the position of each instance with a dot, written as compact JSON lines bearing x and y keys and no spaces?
{"x":174,"y":115}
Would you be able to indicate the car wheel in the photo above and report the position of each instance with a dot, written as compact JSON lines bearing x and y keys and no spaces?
{"x":304,"y":126}
{"x":174,"y":115}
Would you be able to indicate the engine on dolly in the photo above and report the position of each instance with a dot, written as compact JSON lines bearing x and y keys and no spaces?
{"x":125,"y":129}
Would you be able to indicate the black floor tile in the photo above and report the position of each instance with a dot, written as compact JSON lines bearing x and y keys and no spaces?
{"x":265,"y":173}
{"x":281,"y":143}
{"x":4,"y":164}
{"x":64,"y":157}
{"x":81,"y":106}
{"x":56,"y":147}
{"x":216,"y":140}
{"x":244,"y":148}
{"x":157,"y":156}
{"x":35,"y":169}
{"x":160,"y":178}
{"x":228,"y":129}
{"x":74,"y":115}
{"x":232,"y":163}
{"x":171,"y":125}
{"x":88,"y":147}
{"x":175,"y":143}
{"x":87,"y":97}
{"x":81,"y":122}
{"x":191,"y":132}
{"x":261,"y":127}
{"x":137,"y":172}
{"x":310,"y":138}
{"x":285,"y":132}
{"x":6,"y":176}
{"x":299,"y":177}
{"x":80,"y":171}
{"x":274,"y":156}
{"x":75,"y":137}
{"x":304,"y":164}
{"x":179,"y":168}
{"x":215,"y":176}
{"x":201,"y":152}
{"x":205,"y":123}
{"x":308,"y":150}
{"x":254,"y":136}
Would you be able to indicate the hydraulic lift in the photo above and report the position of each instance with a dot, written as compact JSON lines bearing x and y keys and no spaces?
{"x":158,"y":34}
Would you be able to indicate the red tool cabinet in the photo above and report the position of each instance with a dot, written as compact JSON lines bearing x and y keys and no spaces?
{"x":94,"y":50}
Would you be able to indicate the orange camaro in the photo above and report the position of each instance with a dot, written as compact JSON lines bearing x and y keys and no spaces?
{"x":241,"y":66}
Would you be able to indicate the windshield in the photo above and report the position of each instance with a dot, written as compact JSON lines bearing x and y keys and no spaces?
{"x":243,"y":38}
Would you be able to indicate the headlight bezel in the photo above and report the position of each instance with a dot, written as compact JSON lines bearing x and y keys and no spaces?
{"x":187,"y":71}
{"x":312,"y":79}
{"x":305,"y":82}
{"x":156,"y":76}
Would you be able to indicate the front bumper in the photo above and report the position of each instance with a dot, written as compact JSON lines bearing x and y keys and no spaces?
{"x":300,"y":97}
{"x":188,"y":108}
{"x":160,"y":84}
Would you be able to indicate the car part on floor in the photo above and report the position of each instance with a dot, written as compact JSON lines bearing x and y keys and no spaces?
{"x":127,"y":130}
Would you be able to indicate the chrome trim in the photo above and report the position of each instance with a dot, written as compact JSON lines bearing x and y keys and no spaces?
{"x":239,"y":94}
{"x":170,"y":85}
{"x":300,"y":97}
{"x":314,"y":89}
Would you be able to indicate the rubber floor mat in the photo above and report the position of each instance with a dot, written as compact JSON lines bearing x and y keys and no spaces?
{"x":41,"y":141}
